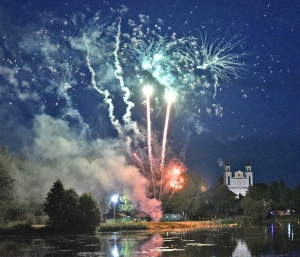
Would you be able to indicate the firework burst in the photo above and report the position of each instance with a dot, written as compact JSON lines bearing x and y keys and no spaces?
{"x":174,"y":176}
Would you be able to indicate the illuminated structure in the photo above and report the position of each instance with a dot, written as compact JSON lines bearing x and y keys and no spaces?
{"x":114,"y":199}
{"x":238,"y":182}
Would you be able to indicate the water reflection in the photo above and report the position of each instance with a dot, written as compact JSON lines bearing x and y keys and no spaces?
{"x":151,"y":247}
{"x":241,"y":250}
{"x":290,"y":231}
{"x":271,"y":240}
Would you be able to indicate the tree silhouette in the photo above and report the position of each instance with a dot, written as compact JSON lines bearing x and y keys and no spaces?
{"x":69,"y":212}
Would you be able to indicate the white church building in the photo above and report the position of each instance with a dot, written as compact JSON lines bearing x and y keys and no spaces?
{"x":239,"y":181}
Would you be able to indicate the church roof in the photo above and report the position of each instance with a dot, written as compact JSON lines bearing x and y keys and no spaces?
{"x":248,"y":163}
{"x":219,"y":182}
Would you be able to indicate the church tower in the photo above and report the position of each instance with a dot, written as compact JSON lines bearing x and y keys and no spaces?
{"x":249,"y":174}
{"x":227,"y":175}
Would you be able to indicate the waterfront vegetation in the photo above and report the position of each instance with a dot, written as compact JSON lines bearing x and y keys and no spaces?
{"x":22,"y":228}
{"x":65,"y":211}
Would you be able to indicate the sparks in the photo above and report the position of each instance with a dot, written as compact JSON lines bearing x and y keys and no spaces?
{"x":177,"y":181}
{"x":174,"y":179}
{"x":170,"y":97}
{"x":148,"y":92}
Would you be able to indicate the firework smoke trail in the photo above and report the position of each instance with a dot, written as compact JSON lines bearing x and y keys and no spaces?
{"x":105,"y":93}
{"x":118,"y":75}
{"x":147,"y":91}
{"x":164,"y":143}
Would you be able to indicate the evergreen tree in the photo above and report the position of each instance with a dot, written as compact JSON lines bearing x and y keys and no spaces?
{"x":274,"y":192}
{"x":53,"y":205}
{"x":296,"y":199}
{"x":253,"y":192}
{"x":223,"y":200}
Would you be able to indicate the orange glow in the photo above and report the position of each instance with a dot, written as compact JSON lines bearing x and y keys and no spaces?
{"x":174,"y":179}
{"x":203,"y":189}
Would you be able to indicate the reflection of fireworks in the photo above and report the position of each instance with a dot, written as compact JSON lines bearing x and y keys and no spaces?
{"x":151,"y":247}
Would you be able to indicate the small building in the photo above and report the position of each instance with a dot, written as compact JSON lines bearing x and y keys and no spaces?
{"x":171,"y":217}
{"x":141,"y":216}
{"x":124,"y":216}
{"x":239,"y":181}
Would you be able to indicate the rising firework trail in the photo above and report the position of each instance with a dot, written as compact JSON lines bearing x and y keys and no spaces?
{"x":170,"y":98}
{"x":147,"y":92}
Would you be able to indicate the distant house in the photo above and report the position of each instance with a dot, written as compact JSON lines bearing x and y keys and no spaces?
{"x":171,"y":217}
{"x":141,"y":216}
{"x":124,"y":216}
{"x":239,"y":181}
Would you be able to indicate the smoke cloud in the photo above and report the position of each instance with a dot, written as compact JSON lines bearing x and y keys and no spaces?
{"x":78,"y":162}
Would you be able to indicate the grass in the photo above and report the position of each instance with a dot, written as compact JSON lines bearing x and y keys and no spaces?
{"x":121,"y":225}
{"x":18,"y":229}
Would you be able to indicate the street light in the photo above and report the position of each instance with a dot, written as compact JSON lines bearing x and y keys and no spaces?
{"x":114,"y":199}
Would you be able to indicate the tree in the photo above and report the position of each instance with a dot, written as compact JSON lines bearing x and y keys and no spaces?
{"x":89,"y":212}
{"x":285,"y":195}
{"x":70,"y":209}
{"x":70,"y":212}
{"x":257,"y":209}
{"x":53,"y":205}
{"x":186,"y":199}
{"x":223,"y":200}
{"x":296,"y":199}
{"x":263,"y":188}
{"x":6,"y":182}
{"x":126,"y":204}
{"x":273,"y":195}
{"x":253,"y":192}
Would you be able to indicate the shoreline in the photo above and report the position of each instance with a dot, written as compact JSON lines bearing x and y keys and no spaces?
{"x":152,"y":227}
{"x":174,"y":225}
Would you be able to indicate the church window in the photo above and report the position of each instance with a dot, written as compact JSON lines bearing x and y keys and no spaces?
{"x":228,"y":181}
{"x":249,"y":181}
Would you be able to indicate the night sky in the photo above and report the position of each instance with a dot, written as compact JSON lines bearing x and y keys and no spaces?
{"x":48,"y":99}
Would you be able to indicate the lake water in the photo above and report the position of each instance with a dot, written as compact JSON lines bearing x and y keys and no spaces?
{"x":265,"y":241}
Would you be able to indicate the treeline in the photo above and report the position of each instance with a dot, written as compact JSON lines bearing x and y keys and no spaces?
{"x":218,"y":201}
{"x":23,"y":195}
{"x":23,"y":198}
{"x":22,"y":188}
{"x":261,"y":199}
{"x":23,"y":192}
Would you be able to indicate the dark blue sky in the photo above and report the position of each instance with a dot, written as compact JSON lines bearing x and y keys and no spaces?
{"x":260,"y":108}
